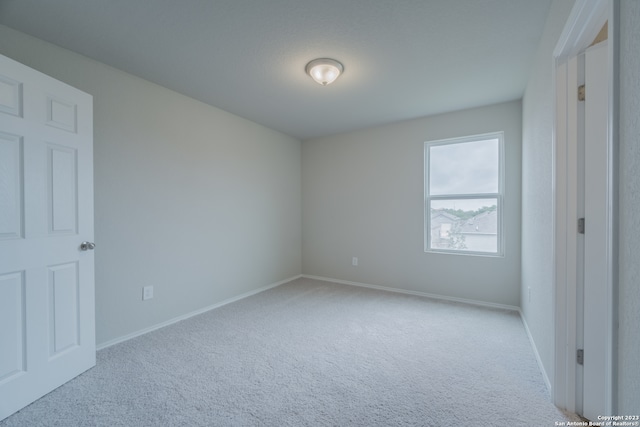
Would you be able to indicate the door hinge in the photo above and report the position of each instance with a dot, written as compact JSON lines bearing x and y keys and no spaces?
{"x":580,"y":356}
{"x":581,"y":93}
{"x":581,"y":225}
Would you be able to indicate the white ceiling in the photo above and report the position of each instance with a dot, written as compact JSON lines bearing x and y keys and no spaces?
{"x":403,"y":58}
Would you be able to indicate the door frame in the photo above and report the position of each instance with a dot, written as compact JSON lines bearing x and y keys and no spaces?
{"x":582,"y":26}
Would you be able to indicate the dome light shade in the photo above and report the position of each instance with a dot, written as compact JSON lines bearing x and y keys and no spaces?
{"x":324,"y":70}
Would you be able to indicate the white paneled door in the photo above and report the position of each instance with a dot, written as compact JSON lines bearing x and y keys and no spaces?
{"x":47,"y":309}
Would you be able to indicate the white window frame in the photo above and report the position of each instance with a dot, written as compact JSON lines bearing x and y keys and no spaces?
{"x":499,"y":196}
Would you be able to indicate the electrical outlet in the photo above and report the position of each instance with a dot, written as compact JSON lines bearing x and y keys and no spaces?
{"x":354,"y":261}
{"x":147,"y":293}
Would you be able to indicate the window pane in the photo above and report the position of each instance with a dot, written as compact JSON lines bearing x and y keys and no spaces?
{"x":464,"y":168}
{"x":465,"y":224}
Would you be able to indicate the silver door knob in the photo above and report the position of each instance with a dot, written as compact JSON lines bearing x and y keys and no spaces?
{"x":87,"y":246}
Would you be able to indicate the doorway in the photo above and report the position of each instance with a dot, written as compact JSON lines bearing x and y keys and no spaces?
{"x":585,"y":202}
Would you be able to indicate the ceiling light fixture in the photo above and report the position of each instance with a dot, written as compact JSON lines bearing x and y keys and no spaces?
{"x":324,"y":70}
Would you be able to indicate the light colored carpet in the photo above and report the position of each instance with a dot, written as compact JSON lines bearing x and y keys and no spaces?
{"x":311,"y":353}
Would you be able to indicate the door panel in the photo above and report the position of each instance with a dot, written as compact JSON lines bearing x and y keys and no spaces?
{"x":47,"y":309}
{"x":11,"y":185}
{"x":61,"y":185}
{"x":12,"y":334}
{"x":63,"y":308}
{"x":595,"y":237}
{"x":10,"y":96}
{"x":61,"y":114}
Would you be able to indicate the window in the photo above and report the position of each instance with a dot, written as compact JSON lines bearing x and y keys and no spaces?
{"x":464,"y":195}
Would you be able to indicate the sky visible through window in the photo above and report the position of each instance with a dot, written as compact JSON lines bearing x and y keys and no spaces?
{"x":464,"y":168}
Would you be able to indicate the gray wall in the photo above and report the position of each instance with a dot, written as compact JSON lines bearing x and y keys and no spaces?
{"x":537,"y":194}
{"x":363,"y":197}
{"x":199,"y":203}
{"x":629,"y":267}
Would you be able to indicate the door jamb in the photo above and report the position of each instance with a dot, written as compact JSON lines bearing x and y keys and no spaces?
{"x":584,"y":23}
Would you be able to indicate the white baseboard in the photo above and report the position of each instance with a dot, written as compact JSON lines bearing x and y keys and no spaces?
{"x":421,"y":294}
{"x":545,"y":377}
{"x":193,"y":313}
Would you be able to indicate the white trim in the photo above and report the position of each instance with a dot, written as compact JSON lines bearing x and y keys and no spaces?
{"x":193,"y":313}
{"x":499,"y":196}
{"x":559,"y":231}
{"x":614,"y":215}
{"x":545,"y":377}
{"x":417,"y":293}
{"x":585,"y":21}
{"x":582,"y":26}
